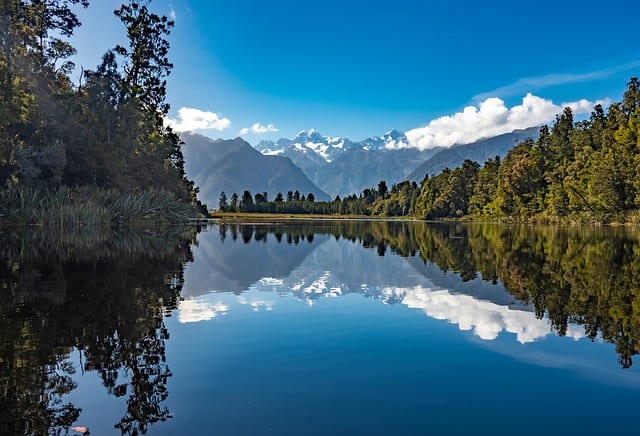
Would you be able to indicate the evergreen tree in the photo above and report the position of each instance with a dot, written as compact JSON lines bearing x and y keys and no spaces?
{"x":222,"y":202}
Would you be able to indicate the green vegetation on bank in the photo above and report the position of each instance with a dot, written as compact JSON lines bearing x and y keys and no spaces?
{"x":576,"y":171}
{"x":65,"y":207}
{"x":103,"y":137}
{"x":380,"y":201}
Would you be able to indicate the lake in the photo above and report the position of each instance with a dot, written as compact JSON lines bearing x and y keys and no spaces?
{"x":346,"y":327}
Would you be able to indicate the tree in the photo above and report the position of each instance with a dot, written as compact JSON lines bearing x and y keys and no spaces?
{"x":310,"y":197}
{"x":485,"y":188}
{"x":246,"y":202}
{"x":260,"y":199}
{"x":279,"y":198}
{"x":44,"y":18}
{"x":234,"y":204}
{"x":631,"y":97}
{"x":146,"y":61}
{"x":154,"y":150}
{"x":222,"y":202}
{"x":382,"y":188}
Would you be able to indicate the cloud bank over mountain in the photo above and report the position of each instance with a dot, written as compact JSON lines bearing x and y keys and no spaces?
{"x":490,"y":118}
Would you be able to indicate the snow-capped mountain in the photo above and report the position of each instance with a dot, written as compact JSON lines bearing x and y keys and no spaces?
{"x":317,"y":147}
{"x":392,"y":139}
{"x":311,"y":144}
{"x":234,"y":166}
{"x":340,"y":166}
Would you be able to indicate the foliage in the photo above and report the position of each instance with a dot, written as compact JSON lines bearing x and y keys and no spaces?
{"x":107,"y":132}
{"x":65,"y":207}
{"x":398,"y":201}
{"x":576,"y":171}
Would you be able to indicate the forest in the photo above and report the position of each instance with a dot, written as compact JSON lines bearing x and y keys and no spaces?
{"x":576,"y":171}
{"x":95,"y":151}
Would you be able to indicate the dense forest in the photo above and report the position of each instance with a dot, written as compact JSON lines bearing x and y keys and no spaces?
{"x":97,"y":149}
{"x":582,"y":171}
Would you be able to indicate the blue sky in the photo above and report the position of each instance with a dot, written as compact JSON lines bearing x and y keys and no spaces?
{"x":361,"y":68}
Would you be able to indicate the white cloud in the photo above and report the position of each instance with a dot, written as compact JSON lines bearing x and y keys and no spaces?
{"x":192,"y":119}
{"x":258,"y":129}
{"x":172,"y":12}
{"x":489,"y":118}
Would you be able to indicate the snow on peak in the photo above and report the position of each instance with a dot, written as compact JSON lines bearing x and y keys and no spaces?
{"x":329,"y":148}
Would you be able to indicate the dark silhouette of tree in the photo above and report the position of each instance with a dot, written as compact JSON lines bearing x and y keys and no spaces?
{"x":246,"y":202}
{"x":222,"y":202}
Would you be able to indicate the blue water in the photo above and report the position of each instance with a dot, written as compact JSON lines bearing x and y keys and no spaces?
{"x":328,"y":337}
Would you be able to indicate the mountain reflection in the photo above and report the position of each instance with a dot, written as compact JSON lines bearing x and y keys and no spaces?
{"x":96,"y":300}
{"x":576,"y":282}
{"x":97,"y":292}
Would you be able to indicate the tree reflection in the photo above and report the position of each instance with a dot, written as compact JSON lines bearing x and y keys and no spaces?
{"x":103,"y":293}
{"x":587,"y":276}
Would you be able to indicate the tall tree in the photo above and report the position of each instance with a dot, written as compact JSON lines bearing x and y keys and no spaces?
{"x":146,"y":62}
{"x":223,"y":205}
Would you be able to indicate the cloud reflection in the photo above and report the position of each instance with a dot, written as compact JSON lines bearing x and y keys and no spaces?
{"x":485,"y":318}
{"x":197,"y":310}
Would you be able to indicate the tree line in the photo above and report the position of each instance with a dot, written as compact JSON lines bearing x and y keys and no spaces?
{"x":398,"y":201}
{"x":106,"y":131}
{"x":582,"y":171}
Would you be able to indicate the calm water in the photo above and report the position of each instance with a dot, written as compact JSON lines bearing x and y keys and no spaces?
{"x":327,"y":328}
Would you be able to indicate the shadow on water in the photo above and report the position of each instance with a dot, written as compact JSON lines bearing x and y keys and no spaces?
{"x":101,"y":291}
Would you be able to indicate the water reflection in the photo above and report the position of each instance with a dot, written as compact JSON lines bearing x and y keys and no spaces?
{"x":532,"y":282}
{"x":96,"y":301}
{"x":101,"y":294}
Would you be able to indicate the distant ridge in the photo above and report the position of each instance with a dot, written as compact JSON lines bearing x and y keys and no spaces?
{"x":235,"y":166}
{"x":342,"y":167}
{"x":479,"y":151}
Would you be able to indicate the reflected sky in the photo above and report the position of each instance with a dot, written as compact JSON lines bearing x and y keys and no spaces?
{"x":222,"y":281}
{"x":328,"y":268}
{"x":321,"y":328}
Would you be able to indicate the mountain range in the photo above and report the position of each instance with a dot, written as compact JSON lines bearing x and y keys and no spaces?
{"x":235,"y":166}
{"x":342,"y":167}
{"x":323,"y":165}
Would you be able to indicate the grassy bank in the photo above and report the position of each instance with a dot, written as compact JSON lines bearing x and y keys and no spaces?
{"x":65,"y":207}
